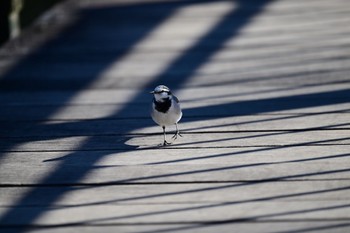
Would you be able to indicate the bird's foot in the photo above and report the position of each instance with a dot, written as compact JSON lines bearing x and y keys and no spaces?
{"x":176,"y":134}
{"x":165,"y":143}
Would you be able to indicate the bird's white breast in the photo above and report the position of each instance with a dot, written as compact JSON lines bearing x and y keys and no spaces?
{"x":172,"y":116}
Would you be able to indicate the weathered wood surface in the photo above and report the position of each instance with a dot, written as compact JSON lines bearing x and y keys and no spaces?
{"x":266,"y":129}
{"x":198,"y":140}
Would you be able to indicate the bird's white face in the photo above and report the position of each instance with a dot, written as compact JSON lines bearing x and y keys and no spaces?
{"x":161,"y":93}
{"x":161,"y":96}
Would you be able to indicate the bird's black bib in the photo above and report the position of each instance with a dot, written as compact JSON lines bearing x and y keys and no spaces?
{"x":162,"y":106}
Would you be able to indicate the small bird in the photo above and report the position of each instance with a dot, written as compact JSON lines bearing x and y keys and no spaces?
{"x":166,"y":110}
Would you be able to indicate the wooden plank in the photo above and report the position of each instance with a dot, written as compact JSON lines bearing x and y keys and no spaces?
{"x":94,"y":170}
{"x":275,"y":124}
{"x":240,"y":226}
{"x":234,"y":124}
{"x":259,"y":139}
{"x":169,"y":156}
{"x":55,"y":175}
{"x":187,"y":213}
{"x":117,"y":111}
{"x":240,"y":192}
{"x":202,"y":140}
{"x":189,"y":97}
{"x":75,"y":80}
{"x":196,"y":103}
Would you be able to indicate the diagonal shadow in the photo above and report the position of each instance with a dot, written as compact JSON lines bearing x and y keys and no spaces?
{"x":233,"y":22}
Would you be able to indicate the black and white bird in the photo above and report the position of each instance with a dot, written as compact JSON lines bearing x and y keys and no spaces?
{"x":166,"y":110}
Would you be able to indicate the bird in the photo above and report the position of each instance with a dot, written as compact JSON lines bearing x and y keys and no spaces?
{"x":166,"y":110}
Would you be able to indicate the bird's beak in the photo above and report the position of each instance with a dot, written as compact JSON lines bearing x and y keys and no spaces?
{"x":152,"y":92}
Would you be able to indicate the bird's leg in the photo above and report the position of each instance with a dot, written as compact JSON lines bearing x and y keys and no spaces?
{"x":177,"y":133}
{"x":164,"y":135}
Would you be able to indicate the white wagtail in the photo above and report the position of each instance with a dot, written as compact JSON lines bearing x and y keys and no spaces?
{"x":166,"y":110}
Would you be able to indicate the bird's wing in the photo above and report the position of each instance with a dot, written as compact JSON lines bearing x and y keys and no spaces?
{"x":176,"y":99}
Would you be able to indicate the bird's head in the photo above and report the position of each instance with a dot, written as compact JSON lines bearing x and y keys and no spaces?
{"x":161,"y":93}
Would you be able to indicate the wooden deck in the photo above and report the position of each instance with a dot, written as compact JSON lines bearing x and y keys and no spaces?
{"x":265,"y":90}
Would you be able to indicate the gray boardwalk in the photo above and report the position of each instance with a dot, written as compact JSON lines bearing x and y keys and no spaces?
{"x":265,"y":89}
